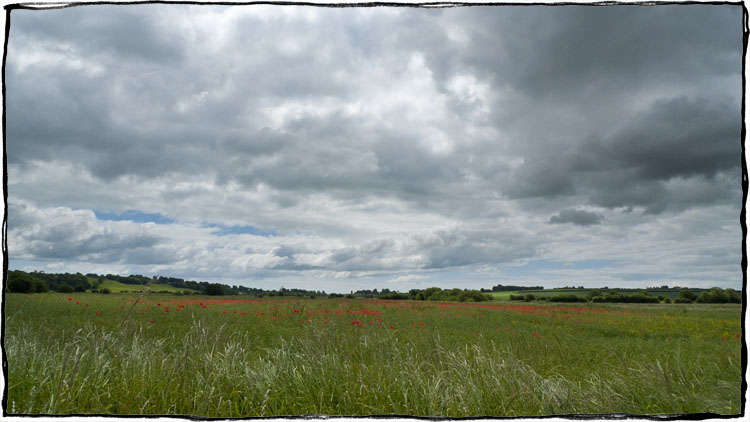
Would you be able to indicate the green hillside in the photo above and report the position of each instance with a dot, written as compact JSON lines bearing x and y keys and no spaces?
{"x":117,"y":287}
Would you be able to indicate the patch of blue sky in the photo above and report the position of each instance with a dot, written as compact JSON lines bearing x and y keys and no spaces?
{"x":224,"y":230}
{"x":135,"y":216}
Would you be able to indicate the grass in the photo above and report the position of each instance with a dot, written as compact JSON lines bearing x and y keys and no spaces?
{"x":234,"y":357}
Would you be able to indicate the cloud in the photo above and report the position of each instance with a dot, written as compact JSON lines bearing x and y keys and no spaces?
{"x":63,"y":233}
{"x":282,"y":143}
{"x":577,"y":217}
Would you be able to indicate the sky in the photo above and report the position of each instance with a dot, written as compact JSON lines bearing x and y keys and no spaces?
{"x":341,"y":149}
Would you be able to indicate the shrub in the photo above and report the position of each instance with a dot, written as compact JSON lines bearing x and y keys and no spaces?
{"x":567,"y":298}
{"x":105,"y":291}
{"x":686,"y":296}
{"x":639,"y":297}
{"x":593,"y":293}
{"x":516,"y":297}
{"x":528,"y":298}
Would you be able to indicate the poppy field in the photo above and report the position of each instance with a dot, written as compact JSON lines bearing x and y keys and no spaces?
{"x":205,"y":356}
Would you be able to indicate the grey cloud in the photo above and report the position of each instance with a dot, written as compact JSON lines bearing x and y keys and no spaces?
{"x":577,"y":217}
{"x":573,"y":48}
{"x":676,"y":139}
{"x":456,"y":248}
{"x":121,"y":33}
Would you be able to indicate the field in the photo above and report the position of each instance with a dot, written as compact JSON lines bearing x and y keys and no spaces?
{"x":234,"y":357}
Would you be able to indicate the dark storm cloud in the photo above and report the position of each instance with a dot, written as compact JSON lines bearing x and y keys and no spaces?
{"x":573,"y":49}
{"x":680,"y":138}
{"x":577,"y":217}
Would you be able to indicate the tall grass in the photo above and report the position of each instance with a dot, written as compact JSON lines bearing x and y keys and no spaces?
{"x":464,"y":361}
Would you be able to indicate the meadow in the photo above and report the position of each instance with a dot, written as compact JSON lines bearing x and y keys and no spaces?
{"x":88,"y":353}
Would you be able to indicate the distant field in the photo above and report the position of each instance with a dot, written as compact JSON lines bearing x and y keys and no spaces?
{"x":245,"y":357}
{"x":117,"y":287}
{"x":672,"y":294}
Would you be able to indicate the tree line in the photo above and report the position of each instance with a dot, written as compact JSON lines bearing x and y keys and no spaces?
{"x":685,"y":295}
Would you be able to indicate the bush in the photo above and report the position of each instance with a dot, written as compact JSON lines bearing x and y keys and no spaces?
{"x":393,"y":296}
{"x":105,"y":291}
{"x":567,"y":298}
{"x":79,"y":288}
{"x":528,"y":298}
{"x":639,"y":297}
{"x":593,"y":293}
{"x":686,"y":296}
{"x":516,"y":297}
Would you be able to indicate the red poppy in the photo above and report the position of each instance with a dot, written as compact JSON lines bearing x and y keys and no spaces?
{"x":535,"y":334}
{"x":86,"y":303}
{"x":392,"y":327}
{"x":70,"y":298}
{"x":739,"y":335}
{"x":296,"y":311}
{"x":77,"y":303}
{"x":98,"y":313}
{"x":152,"y":321}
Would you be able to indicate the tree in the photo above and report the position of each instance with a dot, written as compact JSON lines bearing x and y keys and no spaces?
{"x":717,"y":295}
{"x":215,"y":289}
{"x":686,"y":296}
{"x":64,"y":288}
{"x":20,"y":282}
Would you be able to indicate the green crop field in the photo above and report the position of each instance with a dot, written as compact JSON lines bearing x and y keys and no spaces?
{"x":540,"y":293}
{"x":233,"y":357}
